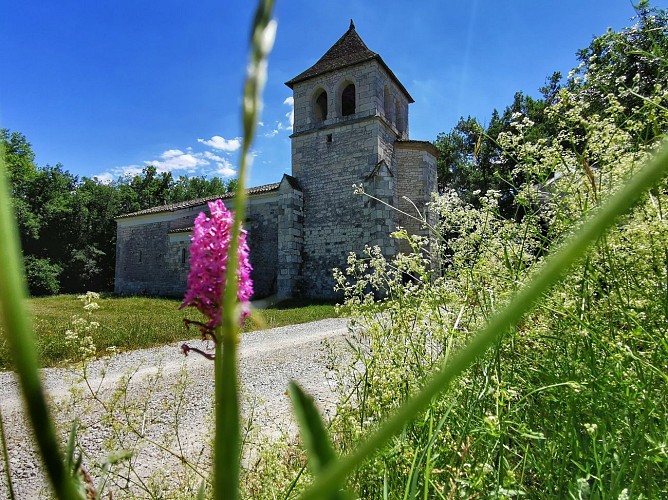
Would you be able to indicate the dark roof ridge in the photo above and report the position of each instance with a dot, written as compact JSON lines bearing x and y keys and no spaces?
{"x":172,"y":207}
{"x":292,"y":181}
{"x":347,"y":50}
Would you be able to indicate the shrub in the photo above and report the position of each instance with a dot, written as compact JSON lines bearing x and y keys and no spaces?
{"x":42,"y":276}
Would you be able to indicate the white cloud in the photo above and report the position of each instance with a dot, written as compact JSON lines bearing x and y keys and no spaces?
{"x":175,"y":159}
{"x":184,"y":161}
{"x":290,"y":115}
{"x":225,"y":168}
{"x":105,"y":177}
{"x":213,"y":157}
{"x":290,"y":101}
{"x":117,"y":172}
{"x":171,"y":153}
{"x":222,"y":144}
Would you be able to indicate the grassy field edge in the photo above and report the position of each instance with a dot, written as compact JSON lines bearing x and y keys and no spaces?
{"x":128,"y":323}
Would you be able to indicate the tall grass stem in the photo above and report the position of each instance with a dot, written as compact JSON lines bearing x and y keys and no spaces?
{"x":227,"y":439}
{"x":13,"y":292}
{"x":5,"y":457}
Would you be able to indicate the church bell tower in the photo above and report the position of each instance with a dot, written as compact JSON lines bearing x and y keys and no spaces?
{"x":351,"y":128}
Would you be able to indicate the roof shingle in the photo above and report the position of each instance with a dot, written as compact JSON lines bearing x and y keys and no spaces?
{"x":347,"y":51}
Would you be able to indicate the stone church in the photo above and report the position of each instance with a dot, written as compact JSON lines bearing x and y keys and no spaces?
{"x":350,"y":128}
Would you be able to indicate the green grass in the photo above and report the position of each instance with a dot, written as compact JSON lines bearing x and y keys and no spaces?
{"x":137,"y":322}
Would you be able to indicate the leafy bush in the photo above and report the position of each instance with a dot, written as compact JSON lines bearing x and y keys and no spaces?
{"x":43,"y":277}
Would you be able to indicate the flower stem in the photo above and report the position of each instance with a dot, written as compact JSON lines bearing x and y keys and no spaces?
{"x":227,"y":444}
{"x":227,"y":441}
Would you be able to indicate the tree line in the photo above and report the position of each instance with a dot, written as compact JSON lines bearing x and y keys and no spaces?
{"x":66,"y":223}
{"x":630,"y":64}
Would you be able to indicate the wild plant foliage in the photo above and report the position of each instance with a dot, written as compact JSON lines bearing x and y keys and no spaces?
{"x":572,"y":401}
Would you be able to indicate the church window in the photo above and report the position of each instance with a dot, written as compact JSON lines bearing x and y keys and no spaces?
{"x":348,"y":100}
{"x":320,"y":108}
{"x":183,"y":256}
{"x":329,"y":137}
{"x":140,"y":256}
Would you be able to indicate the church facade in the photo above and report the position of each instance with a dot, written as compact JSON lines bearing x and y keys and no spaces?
{"x":350,"y":129}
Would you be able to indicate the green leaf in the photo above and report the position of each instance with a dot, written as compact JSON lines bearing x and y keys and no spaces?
{"x":314,"y":435}
{"x":201,"y":491}
{"x":71,"y":442}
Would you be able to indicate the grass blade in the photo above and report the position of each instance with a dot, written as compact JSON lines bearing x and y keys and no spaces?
{"x":201,"y":493}
{"x":553,"y":269}
{"x":227,"y":442}
{"x":313,"y":432}
{"x":71,"y":443}
{"x":5,"y":457}
{"x":21,"y":341}
{"x":314,"y":435}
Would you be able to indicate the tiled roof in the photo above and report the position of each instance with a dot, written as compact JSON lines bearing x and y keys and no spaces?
{"x":424,"y":145}
{"x":347,"y":51}
{"x":199,"y":201}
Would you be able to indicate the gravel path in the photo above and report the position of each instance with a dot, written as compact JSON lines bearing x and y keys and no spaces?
{"x":168,"y":399}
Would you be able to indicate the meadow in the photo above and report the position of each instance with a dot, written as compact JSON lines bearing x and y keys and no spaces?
{"x":128,"y":323}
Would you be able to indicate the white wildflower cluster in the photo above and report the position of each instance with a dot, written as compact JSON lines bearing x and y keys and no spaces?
{"x":79,"y":337}
{"x":591,"y":428}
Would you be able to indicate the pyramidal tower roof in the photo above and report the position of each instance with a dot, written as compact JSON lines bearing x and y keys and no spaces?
{"x":347,"y":51}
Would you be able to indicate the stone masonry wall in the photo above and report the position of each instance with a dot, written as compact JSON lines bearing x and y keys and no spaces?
{"x":147,"y":262}
{"x":262,"y":226}
{"x":151,"y":260}
{"x":290,"y":239}
{"x":333,"y":222}
{"x":331,"y":155}
{"x":416,"y":179}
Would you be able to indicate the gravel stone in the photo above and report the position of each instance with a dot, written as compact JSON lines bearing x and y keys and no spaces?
{"x":268,"y":360}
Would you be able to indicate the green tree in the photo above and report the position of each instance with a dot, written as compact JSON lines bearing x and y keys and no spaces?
{"x":630,"y":65}
{"x":20,"y":164}
{"x":92,"y":260}
{"x":152,"y":189}
{"x":67,"y":225}
{"x":457,"y":163}
{"x":190,"y":188}
{"x":42,"y":276}
{"x":471,"y":161}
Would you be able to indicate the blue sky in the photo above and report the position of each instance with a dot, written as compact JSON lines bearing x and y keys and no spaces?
{"x":106,"y":88}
